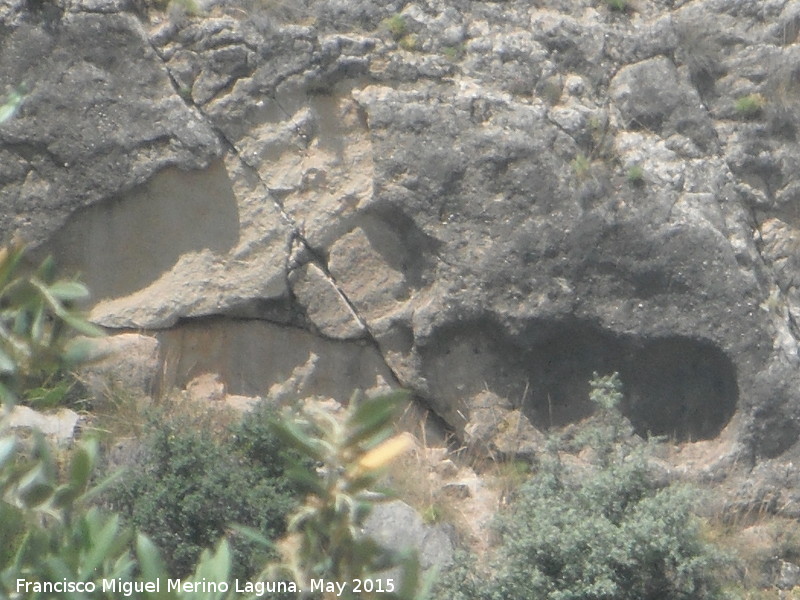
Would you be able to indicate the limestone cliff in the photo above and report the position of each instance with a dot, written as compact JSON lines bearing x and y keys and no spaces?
{"x":470,"y":199}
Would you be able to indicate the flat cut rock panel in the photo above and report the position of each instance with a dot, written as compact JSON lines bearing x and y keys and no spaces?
{"x":255,"y":358}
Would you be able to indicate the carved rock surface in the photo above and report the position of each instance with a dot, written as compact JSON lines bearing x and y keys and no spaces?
{"x":306,"y":202}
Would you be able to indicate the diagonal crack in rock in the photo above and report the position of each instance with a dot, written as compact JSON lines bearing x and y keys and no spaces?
{"x":296,"y":234}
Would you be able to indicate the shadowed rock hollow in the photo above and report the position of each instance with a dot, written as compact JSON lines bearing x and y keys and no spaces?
{"x":678,"y":387}
{"x":506,"y":197}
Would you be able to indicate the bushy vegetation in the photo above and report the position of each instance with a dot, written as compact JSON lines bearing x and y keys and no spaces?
{"x":581,"y":166}
{"x":48,"y":532}
{"x":635,"y":175}
{"x":604,"y":531}
{"x":618,"y":5}
{"x":189,"y":487}
{"x":52,"y":534}
{"x":396,"y":25}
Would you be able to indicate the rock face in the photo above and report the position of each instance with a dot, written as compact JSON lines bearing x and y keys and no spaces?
{"x":397,"y":525}
{"x":472,"y":200}
{"x":59,"y":426}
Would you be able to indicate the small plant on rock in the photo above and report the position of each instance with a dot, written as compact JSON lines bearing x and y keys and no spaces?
{"x":454,"y":53}
{"x":635,"y":175}
{"x":410,"y":42}
{"x":396,"y":25}
{"x":750,"y":106}
{"x":581,"y":166}
{"x":618,"y":5}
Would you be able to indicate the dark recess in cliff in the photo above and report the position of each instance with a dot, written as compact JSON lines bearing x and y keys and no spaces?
{"x":681,"y":388}
{"x":675,"y":386}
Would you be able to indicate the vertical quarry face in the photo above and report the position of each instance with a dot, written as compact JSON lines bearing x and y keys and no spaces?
{"x":125,"y":245}
{"x":509,"y":198}
{"x":254,"y":357}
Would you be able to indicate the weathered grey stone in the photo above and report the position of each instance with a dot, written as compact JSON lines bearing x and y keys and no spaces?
{"x":651,"y":95}
{"x":206,"y":387}
{"x":788,"y":575}
{"x":465,"y":209}
{"x":494,"y":428}
{"x":122,"y":363}
{"x":325,"y":306}
{"x":60,"y":425}
{"x":396,"y":525}
{"x":95,"y":122}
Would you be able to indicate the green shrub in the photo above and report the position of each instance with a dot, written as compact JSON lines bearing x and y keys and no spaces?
{"x":188,"y":488}
{"x":750,"y":106}
{"x":396,"y":25}
{"x":635,"y":175}
{"x":609,"y":536}
{"x":599,"y":532}
{"x":51,"y":533}
{"x":454,"y":53}
{"x":620,"y":5}
{"x":581,"y":166}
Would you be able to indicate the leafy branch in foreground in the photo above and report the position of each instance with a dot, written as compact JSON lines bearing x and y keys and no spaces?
{"x":37,"y":320}
{"x":52,"y":535}
{"x":351,"y":452}
{"x":49,"y":533}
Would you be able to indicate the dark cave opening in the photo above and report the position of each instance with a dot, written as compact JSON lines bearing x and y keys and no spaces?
{"x":676,"y":386}
{"x":681,"y":388}
{"x":560,"y":369}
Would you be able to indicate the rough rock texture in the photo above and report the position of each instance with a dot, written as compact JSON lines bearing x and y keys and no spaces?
{"x":397,"y":525}
{"x":494,"y":197}
{"x":60,"y":426}
{"x":127,"y":362}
